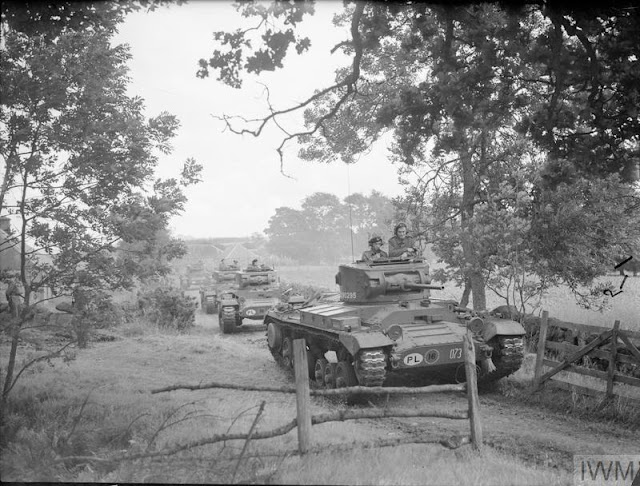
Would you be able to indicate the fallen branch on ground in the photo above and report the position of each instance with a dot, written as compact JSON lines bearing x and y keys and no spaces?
{"x":288,"y":427}
{"x":249,"y":436}
{"x":374,"y":390}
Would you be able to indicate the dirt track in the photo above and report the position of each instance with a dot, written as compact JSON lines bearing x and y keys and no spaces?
{"x":539,"y":437}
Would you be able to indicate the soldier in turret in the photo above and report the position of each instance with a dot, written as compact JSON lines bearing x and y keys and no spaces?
{"x":375,"y":252}
{"x":402,"y":245}
{"x":254,"y":267}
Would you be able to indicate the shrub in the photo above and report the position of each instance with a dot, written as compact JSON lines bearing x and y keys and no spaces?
{"x":168,"y":308}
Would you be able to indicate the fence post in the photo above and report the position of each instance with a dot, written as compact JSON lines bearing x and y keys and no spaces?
{"x":612,"y":359}
{"x":542,"y":341}
{"x":469,"y":353}
{"x":302,"y":394}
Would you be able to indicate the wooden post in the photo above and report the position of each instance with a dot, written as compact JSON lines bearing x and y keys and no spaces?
{"x":302,"y":394}
{"x":612,"y":359}
{"x":469,"y":353}
{"x":542,"y":342}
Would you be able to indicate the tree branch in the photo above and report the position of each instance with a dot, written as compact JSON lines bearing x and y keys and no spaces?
{"x":348,"y":82}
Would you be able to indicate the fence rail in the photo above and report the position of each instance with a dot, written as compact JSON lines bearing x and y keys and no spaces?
{"x":590,"y":343}
{"x":304,"y":420}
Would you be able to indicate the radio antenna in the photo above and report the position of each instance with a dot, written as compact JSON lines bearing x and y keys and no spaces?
{"x":353,"y":259}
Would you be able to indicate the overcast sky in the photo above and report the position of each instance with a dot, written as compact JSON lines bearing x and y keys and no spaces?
{"x":242,"y":183}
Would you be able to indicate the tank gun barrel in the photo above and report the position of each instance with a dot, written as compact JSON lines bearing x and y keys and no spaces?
{"x":417,"y":286}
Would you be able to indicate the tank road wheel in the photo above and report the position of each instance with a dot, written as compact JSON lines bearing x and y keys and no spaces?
{"x":321,"y":363}
{"x":287,"y":353}
{"x":330,"y":375}
{"x":274,"y":340}
{"x":345,"y":375}
{"x":507,"y":356}
{"x":370,"y":367}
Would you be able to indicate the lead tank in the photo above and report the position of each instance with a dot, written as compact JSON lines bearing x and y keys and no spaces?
{"x":387,"y":323}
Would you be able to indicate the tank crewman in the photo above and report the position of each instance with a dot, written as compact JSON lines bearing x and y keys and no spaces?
{"x":375,"y":252}
{"x":235,"y":265}
{"x":254,"y":267}
{"x":223,"y":265}
{"x":402,"y":245}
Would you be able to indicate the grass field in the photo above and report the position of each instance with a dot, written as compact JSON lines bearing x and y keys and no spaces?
{"x":69,"y":422}
{"x":99,"y":406}
{"x":559,"y":301}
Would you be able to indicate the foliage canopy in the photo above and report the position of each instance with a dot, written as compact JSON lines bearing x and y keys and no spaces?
{"x":509,"y":123}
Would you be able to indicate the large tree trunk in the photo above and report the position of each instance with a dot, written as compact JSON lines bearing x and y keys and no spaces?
{"x":466,"y":293}
{"x":474,"y":274}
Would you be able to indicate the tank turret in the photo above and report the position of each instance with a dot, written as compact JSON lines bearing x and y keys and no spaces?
{"x":384,"y":281}
{"x":255,"y":279}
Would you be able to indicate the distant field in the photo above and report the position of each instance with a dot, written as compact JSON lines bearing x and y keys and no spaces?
{"x":559,"y":302}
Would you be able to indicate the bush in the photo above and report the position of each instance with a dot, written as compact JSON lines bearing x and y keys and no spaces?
{"x":168,"y":308}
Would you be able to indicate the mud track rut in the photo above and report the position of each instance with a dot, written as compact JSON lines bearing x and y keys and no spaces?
{"x":536,"y":436}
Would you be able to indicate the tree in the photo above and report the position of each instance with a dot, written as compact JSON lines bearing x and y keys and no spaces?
{"x":79,"y":158}
{"x":462,"y":91}
{"x":319,"y":231}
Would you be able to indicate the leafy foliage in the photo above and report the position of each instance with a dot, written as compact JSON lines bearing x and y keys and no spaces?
{"x":273,"y":21}
{"x":515,"y":128}
{"x":168,"y":308}
{"x":320,"y":230}
{"x":79,"y":160}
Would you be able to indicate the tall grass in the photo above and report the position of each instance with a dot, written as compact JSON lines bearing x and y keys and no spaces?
{"x":412,"y":464}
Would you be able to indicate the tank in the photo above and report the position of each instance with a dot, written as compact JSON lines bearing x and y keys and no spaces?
{"x":386,"y":323}
{"x":251,"y":296}
{"x":225,"y":274}
{"x":195,"y":278}
{"x":209,"y":300}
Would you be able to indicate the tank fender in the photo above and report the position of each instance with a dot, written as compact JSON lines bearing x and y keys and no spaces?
{"x":229,"y":302}
{"x":354,"y":342}
{"x":503,"y":327}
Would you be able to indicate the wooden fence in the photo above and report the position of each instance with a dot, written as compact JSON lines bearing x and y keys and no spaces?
{"x":578,"y":359}
{"x":304,"y":419}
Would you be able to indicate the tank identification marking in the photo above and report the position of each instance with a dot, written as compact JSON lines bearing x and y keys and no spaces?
{"x":251,"y":312}
{"x":432,"y":356}
{"x":455,"y":353}
{"x":347,"y":295}
{"x":413,"y":359}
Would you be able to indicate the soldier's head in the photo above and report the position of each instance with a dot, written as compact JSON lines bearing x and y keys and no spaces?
{"x":400,"y":230}
{"x":254,"y":262}
{"x":375,"y":242}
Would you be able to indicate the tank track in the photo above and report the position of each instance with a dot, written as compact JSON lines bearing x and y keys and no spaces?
{"x":370,"y":367}
{"x":228,"y":322}
{"x":507,"y":358}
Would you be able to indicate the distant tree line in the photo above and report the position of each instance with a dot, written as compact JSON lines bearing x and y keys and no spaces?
{"x":323,"y":229}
